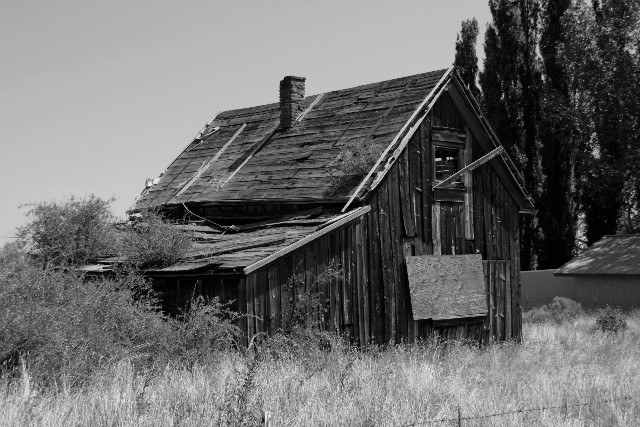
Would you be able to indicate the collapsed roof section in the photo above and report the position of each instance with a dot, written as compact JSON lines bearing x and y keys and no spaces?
{"x":244,"y":248}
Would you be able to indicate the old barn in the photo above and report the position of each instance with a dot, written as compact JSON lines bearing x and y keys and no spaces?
{"x":401,"y":185}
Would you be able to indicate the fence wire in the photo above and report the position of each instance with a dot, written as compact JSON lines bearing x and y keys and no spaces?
{"x":459,"y":419}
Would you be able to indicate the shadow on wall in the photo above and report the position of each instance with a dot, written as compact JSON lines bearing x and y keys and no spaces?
{"x":591,"y":291}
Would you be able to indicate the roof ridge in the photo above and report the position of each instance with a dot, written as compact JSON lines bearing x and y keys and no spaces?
{"x":277,"y":104}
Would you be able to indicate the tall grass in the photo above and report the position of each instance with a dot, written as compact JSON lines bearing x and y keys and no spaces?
{"x":556,"y":365}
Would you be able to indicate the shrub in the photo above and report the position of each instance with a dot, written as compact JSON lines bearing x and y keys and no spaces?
{"x":65,"y":329}
{"x":559,"y":310}
{"x":207,"y":327}
{"x":354,"y":162}
{"x":154,"y":242}
{"x":71,"y":232}
{"x":610,"y":320}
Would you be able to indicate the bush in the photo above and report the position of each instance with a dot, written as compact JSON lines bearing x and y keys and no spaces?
{"x":72,"y":232}
{"x":558,"y":311}
{"x":610,"y":320}
{"x":354,"y":162}
{"x":154,"y":243}
{"x":64,"y":329}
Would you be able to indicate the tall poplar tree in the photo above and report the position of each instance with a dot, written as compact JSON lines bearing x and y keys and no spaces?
{"x":510,"y":84}
{"x":556,"y":132}
{"x":602,"y":56}
{"x":466,"y":59}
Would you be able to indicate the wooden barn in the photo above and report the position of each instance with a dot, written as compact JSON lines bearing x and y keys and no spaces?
{"x":401,"y":184}
{"x":606,"y":273}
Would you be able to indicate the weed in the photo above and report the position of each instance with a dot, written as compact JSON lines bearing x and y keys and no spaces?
{"x":610,"y":320}
{"x":558,"y":311}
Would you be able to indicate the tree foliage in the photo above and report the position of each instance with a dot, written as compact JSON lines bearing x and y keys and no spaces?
{"x":70,"y":232}
{"x":561,"y":88}
{"x":466,"y":59}
{"x":511,"y":83}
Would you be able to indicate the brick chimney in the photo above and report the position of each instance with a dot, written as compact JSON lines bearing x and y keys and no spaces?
{"x":291,"y":100}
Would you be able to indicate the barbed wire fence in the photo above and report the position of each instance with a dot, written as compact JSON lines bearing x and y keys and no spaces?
{"x":565,"y":407}
{"x":267,"y":419}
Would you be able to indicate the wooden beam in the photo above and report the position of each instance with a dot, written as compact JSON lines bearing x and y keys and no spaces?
{"x":313,"y":104}
{"x":204,"y":168}
{"x":255,"y":150}
{"x":471,"y":166}
{"x":350,"y":216}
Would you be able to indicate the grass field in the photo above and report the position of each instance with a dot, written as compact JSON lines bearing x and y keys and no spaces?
{"x":562,"y":366}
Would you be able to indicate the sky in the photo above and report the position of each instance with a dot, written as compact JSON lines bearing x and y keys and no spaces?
{"x":97,"y":96}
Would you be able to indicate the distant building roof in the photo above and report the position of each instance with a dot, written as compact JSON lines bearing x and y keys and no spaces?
{"x":618,"y":254}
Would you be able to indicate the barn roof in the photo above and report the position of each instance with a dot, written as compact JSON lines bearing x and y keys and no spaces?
{"x":243,"y":155}
{"x":619,"y":254}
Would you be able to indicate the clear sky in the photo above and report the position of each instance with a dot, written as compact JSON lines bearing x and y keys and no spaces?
{"x":97,"y":96}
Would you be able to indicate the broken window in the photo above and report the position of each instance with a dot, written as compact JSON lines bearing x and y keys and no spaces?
{"x":446,"y":163}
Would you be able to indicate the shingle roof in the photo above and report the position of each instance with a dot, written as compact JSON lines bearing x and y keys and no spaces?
{"x":618,"y":254}
{"x":446,"y":287}
{"x":294,"y":164}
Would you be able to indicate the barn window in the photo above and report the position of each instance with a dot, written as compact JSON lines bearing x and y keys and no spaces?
{"x":446,"y":162}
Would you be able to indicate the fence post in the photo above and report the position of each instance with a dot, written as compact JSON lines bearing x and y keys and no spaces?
{"x":267,"y":419}
{"x":459,"y":416}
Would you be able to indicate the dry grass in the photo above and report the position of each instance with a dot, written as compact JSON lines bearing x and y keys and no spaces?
{"x":557,"y":364}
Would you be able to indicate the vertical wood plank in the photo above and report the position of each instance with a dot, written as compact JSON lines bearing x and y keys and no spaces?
{"x":261,"y":301}
{"x":286,"y":282}
{"x":426,"y":172}
{"x":334,"y":249}
{"x":364,"y":249}
{"x":251,"y":314}
{"x":359,"y":286}
{"x":437,"y":244}
{"x":274,"y":298}
{"x":415,"y":181}
{"x":397,"y":255}
{"x":500,"y":299}
{"x":345,"y":248}
{"x":375,"y":274}
{"x":488,"y":217}
{"x":516,"y":273}
{"x":242,"y":304}
{"x":405,"y":198}
{"x":468,"y":185}
{"x":324,"y":282}
{"x":387,"y":263}
{"x":355,"y":324}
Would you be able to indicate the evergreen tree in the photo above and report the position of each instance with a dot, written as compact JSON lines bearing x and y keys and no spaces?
{"x":602,"y":55}
{"x":510,"y":84}
{"x":557,"y":206}
{"x":466,"y":59}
